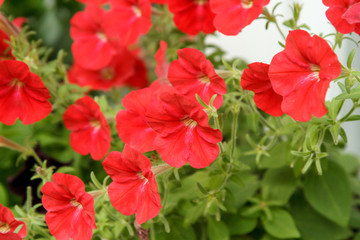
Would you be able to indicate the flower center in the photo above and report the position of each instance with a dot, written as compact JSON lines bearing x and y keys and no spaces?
{"x":316,"y":70}
{"x":107,"y":73}
{"x":137,"y":11}
{"x":17,"y":83}
{"x":201,"y":2}
{"x":4,"y":227}
{"x":95,"y":123}
{"x":204,"y":79}
{"x":247,"y":3}
{"x":76,"y":204}
{"x":189,"y":122}
{"x":102,"y":36}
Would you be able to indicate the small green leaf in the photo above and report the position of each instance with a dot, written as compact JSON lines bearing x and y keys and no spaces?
{"x":201,"y":188}
{"x":353,"y":118}
{"x":335,"y":131}
{"x":351,"y":58}
{"x":3,"y":195}
{"x":217,"y":230}
{"x":330,"y":194}
{"x":282,"y":224}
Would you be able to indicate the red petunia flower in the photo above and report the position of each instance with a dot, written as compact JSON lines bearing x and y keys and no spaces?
{"x":192,"y":16}
{"x":302,"y":72}
{"x":70,"y":210}
{"x":116,"y":73}
{"x":131,"y":124}
{"x":8,"y":225}
{"x":130,"y":18}
{"x":344,"y":15}
{"x":255,"y":78}
{"x":22,"y":94}
{"x":95,"y":44}
{"x":5,"y":51}
{"x":162,"y":66}
{"x":90,"y":131}
{"x":193,"y":74}
{"x":184,"y":134}
{"x":232,"y":16}
{"x":134,"y":188}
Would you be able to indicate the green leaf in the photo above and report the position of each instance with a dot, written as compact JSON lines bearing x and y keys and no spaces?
{"x":354,"y":218}
{"x":351,"y":58}
{"x":330,"y":194}
{"x":239,"y":225}
{"x":312,"y":225}
{"x":335,"y":131}
{"x":282,"y":224}
{"x":278,"y":185}
{"x":353,"y":118}
{"x":355,"y":93}
{"x":217,"y":230}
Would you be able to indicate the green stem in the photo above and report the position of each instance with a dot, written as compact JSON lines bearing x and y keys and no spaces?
{"x":36,"y":157}
{"x":349,"y":113}
{"x":233,"y":133}
{"x":279,"y":29}
{"x":217,"y":125}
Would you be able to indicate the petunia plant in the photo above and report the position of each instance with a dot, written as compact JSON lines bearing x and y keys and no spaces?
{"x":143,"y":130}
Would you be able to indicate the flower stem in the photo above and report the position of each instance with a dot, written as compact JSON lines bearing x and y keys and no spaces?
{"x":217,"y":125}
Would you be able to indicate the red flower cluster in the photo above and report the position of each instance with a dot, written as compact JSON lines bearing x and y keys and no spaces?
{"x":8,"y":225}
{"x":134,"y":188}
{"x":344,"y":15}
{"x":70,"y":210}
{"x":168,"y":119}
{"x":22,"y":94}
{"x":298,"y":77}
{"x":101,"y":39}
{"x":90,"y":131}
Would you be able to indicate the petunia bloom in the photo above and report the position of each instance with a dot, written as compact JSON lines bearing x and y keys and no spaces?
{"x":8,"y":225}
{"x":22,"y":94}
{"x":115,"y":73}
{"x":95,"y":43}
{"x":131,"y":124}
{"x":90,"y":131}
{"x":98,"y":2}
{"x":70,"y":210}
{"x":255,"y":78}
{"x":232,"y":16}
{"x":129,"y":18}
{"x":192,"y":16}
{"x":192,"y":74}
{"x":134,"y":188}
{"x":139,"y":78}
{"x":302,"y":73}
{"x":159,"y":1}
{"x":344,"y":15}
{"x":184,"y":134}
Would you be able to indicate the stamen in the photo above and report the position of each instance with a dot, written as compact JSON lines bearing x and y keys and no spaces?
{"x":204,"y":79}
{"x":17,"y":83}
{"x":107,"y":73}
{"x":76,"y":204}
{"x":189,"y":122}
{"x":137,"y":11}
{"x":102,"y":36}
{"x":316,"y":71}
{"x":4,"y":227}
{"x":200,"y":2}
{"x":95,"y":123}
{"x":247,"y":3}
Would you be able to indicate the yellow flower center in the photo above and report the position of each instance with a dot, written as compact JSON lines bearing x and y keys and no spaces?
{"x":4,"y":227}
{"x":76,"y":204}
{"x":137,"y":11}
{"x":102,"y":36}
{"x":17,"y":83}
{"x":189,"y":122}
{"x":204,"y":79}
{"x":201,"y":2}
{"x":95,"y":123}
{"x":107,"y":73}
{"x":247,"y":3}
{"x":316,"y":71}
